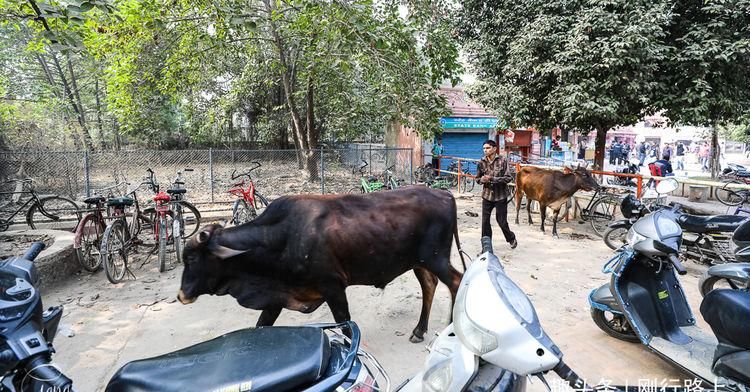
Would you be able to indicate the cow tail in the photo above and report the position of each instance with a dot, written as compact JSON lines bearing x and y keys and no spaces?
{"x":458,"y":243}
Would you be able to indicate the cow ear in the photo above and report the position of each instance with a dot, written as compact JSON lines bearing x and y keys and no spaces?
{"x":203,"y":237}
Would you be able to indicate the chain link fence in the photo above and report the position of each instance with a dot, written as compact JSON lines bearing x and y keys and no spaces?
{"x":78,"y":174}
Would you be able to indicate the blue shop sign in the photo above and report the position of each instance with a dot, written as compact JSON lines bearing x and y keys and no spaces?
{"x":468,"y":122}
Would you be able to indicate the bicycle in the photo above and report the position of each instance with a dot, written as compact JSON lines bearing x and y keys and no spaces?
{"x":44,"y":212}
{"x":120,"y":237}
{"x":392,"y":182}
{"x":367,"y":184}
{"x":425,"y":173}
{"x":249,"y":201}
{"x":185,"y":217}
{"x":732,"y":196}
{"x":88,"y":235}
{"x":601,"y":210}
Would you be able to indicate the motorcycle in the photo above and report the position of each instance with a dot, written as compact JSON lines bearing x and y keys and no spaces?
{"x":647,"y":304}
{"x":631,"y":168}
{"x":735,"y":276}
{"x":706,"y":239}
{"x":314,"y":357}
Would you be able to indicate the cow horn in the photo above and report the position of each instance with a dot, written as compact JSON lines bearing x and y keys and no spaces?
{"x":223,"y":252}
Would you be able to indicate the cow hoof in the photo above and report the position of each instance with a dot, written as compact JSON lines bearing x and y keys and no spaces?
{"x":416,"y":339}
{"x":554,"y":235}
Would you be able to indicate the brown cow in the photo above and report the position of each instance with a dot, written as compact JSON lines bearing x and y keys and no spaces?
{"x":551,"y":188}
{"x":305,"y":250}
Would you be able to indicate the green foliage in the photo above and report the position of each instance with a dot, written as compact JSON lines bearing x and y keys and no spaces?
{"x":584,"y":65}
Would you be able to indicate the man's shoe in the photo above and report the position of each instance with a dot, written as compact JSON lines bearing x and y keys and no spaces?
{"x":513,"y":244}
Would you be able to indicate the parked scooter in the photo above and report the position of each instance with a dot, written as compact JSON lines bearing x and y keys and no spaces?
{"x":706,"y":239}
{"x":646,"y":303}
{"x":313,"y":358}
{"x":735,"y":276}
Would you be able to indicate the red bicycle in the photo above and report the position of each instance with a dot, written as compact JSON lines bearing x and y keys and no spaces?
{"x":249,"y":201}
{"x":163,"y":220}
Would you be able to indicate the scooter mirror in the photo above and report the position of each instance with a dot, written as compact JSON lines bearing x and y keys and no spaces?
{"x":666,"y":186}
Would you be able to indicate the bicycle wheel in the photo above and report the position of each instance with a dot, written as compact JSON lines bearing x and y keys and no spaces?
{"x":616,"y":237}
{"x":178,"y":240}
{"x":603,"y":212}
{"x":260,"y":203}
{"x":143,"y":230}
{"x":161,"y":235}
{"x":114,"y":251}
{"x":54,"y":213}
{"x":356,"y":189}
{"x":191,"y":219}
{"x":731,"y":196}
{"x":89,"y":253}
{"x":242,"y":212}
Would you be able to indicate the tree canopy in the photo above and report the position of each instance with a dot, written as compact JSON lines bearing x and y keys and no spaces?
{"x":223,"y":73}
{"x":594,"y":65}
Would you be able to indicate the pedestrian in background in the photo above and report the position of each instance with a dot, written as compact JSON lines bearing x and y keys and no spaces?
{"x":641,"y":153}
{"x":437,"y":150}
{"x":493,"y":172}
{"x":704,"y":155}
{"x":680,"y":156}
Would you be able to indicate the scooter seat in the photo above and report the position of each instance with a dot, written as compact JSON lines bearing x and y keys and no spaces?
{"x":727,"y":312}
{"x":257,"y":359}
{"x":176,"y":191}
{"x":710,"y":224}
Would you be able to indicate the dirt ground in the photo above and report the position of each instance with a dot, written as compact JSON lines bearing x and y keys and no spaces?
{"x":105,"y":326}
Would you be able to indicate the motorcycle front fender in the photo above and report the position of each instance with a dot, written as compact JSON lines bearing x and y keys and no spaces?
{"x":733,"y":271}
{"x":603,"y":299}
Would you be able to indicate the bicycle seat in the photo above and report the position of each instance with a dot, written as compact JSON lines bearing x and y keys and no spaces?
{"x":120,"y":201}
{"x":269,"y":359}
{"x":176,"y":191}
{"x":95,"y":200}
{"x":710,"y":224}
{"x":372,"y":179}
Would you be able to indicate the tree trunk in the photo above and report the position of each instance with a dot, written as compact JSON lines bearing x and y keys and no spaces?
{"x":287,"y":80}
{"x":116,"y":134}
{"x":99,"y":123}
{"x":88,"y":140}
{"x":715,"y":152}
{"x":564,"y":134}
{"x":601,"y":140}
{"x":72,"y":103}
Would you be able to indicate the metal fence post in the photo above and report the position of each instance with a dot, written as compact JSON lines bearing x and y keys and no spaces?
{"x":370,"y":163}
{"x":322,"y":173}
{"x":211,"y":171}
{"x":86,"y":174}
{"x":411,"y":166}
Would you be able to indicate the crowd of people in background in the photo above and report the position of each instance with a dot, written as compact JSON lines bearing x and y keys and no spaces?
{"x":645,"y":153}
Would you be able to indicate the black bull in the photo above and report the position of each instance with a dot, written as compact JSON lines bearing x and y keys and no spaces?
{"x":305,"y":250}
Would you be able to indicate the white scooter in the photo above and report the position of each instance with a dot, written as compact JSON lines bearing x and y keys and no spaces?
{"x":495,"y":341}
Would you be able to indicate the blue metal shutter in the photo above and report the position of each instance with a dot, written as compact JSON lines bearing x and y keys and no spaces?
{"x":463,"y":145}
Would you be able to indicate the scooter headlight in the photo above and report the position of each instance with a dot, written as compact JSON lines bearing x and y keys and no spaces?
{"x":477,"y":339}
{"x":439,"y":378}
{"x":633,"y":237}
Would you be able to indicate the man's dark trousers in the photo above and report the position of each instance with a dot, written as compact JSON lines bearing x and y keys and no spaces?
{"x":501,"y":213}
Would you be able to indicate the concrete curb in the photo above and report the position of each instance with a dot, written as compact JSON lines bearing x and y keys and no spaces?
{"x":55,"y":263}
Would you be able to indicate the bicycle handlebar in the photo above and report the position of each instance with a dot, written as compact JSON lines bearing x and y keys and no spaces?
{"x":247,"y":173}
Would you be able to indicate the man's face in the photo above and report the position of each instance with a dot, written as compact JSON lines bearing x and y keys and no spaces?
{"x":488,"y":150}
